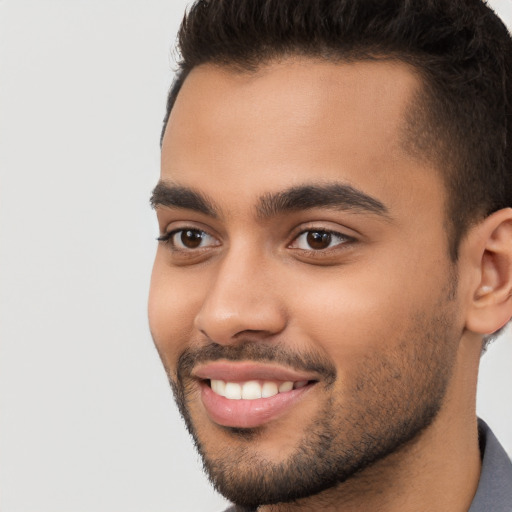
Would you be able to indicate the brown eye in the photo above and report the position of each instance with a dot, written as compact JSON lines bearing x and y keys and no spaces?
{"x":190,"y":239}
{"x":318,"y":239}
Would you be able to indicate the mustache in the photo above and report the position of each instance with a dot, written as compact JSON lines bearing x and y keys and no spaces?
{"x":259,"y":352}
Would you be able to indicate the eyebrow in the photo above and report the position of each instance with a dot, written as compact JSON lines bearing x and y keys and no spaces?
{"x":175,"y":196}
{"x":305,"y":197}
{"x":334,"y":195}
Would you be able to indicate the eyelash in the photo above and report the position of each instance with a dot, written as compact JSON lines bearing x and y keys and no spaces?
{"x":344,"y":239}
{"x":167,"y":238}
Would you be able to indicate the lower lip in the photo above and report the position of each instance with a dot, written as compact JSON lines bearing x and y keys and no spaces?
{"x":249,"y":413}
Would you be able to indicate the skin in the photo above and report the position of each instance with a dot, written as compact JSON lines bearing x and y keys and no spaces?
{"x":398,"y":321}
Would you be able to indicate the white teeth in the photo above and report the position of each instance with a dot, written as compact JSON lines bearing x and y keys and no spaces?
{"x":219,"y":386}
{"x":233,"y":391}
{"x":269,"y":389}
{"x":252,"y":390}
{"x":285,"y":386}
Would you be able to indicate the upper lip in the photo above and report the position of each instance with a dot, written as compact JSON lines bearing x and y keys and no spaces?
{"x":244,"y":371}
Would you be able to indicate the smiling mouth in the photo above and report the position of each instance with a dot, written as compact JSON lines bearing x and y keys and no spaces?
{"x":254,"y":389}
{"x":246,"y":394}
{"x":251,"y":403}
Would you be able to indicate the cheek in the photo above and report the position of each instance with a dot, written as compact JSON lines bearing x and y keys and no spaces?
{"x":350,"y":312}
{"x":172,"y":306}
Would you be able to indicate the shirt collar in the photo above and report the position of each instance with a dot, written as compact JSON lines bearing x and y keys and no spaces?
{"x":494,"y":491}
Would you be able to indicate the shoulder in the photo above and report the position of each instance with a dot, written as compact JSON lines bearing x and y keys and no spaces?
{"x":495,"y":487}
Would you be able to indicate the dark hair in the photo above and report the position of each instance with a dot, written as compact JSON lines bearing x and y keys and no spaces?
{"x":460,"y":119}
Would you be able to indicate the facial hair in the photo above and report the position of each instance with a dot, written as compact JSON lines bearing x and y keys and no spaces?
{"x":389,"y":400}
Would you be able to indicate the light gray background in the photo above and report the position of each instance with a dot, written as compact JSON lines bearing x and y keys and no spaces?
{"x":87,"y":421}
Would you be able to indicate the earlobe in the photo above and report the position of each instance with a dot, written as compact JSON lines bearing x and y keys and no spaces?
{"x":491,"y":298}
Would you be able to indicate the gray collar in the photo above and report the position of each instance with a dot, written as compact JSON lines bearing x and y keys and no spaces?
{"x":494,"y":493}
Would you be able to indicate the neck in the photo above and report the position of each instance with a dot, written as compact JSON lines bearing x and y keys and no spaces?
{"x":439,"y":470}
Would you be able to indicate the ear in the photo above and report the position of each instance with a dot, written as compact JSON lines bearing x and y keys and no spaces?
{"x":490,"y":247}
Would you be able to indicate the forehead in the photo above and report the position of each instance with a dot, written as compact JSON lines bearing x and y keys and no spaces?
{"x":293,"y":121}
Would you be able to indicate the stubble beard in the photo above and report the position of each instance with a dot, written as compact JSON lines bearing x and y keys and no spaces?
{"x":393,"y":398}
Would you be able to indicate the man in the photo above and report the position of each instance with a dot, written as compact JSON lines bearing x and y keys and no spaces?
{"x":336,"y":250}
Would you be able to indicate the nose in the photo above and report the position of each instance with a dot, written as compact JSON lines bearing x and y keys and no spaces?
{"x":243,"y":300}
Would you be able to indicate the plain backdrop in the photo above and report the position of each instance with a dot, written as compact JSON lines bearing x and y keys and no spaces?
{"x":87,"y":421}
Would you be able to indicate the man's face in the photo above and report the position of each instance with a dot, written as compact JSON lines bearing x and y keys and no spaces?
{"x":305,"y":269}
